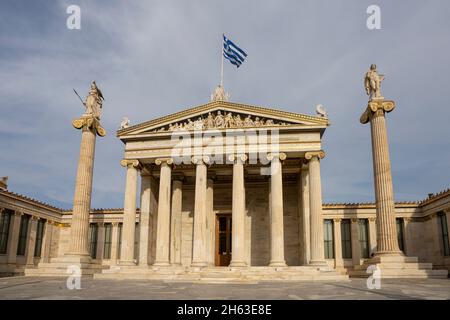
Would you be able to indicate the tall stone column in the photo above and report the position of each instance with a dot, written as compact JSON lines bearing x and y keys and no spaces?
{"x":175,"y":222}
{"x":276,"y":211}
{"x":129,"y":212}
{"x":210,"y":221}
{"x":47,"y":241}
{"x":338,"y":261}
{"x":315,"y":206}
{"x":238,"y":212}
{"x":13,"y":237}
{"x":79,"y":230}
{"x":162,"y":257}
{"x":100,"y":241}
{"x":199,"y":237}
{"x":387,"y":243}
{"x":304,"y":218}
{"x":31,"y":241}
{"x":407,"y":233}
{"x":373,"y":235}
{"x":114,"y":242}
{"x":356,"y":248}
{"x":148,"y":191}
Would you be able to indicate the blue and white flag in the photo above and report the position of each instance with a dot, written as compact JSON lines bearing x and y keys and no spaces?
{"x":232,"y":52}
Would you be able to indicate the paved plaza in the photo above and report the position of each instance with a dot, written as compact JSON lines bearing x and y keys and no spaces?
{"x":355,"y":289}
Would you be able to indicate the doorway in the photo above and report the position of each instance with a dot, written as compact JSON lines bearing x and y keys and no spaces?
{"x":223,"y":240}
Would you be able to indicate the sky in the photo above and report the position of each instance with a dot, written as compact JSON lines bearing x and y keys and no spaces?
{"x":153,"y":58}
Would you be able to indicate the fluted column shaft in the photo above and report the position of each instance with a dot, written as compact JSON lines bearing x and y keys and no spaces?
{"x":31,"y":243}
{"x":315,"y":205}
{"x":199,"y":237}
{"x":148,"y":195}
{"x":175,"y":222}
{"x":79,"y":231}
{"x":114,"y":242}
{"x":210,"y":222}
{"x":129,"y":213}
{"x":13,"y":237}
{"x":276,"y":212}
{"x":238,"y":212}
{"x":162,"y":257}
{"x":387,"y":242}
{"x":338,"y":261}
{"x":304,"y":217}
{"x":47,"y":242}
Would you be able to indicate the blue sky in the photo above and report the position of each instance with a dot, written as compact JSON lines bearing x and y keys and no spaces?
{"x":152,"y":58}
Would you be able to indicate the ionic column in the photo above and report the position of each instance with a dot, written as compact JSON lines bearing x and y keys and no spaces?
{"x":13,"y":237}
{"x":338,"y":261}
{"x":210,"y":222}
{"x":372,"y":235}
{"x":47,"y":241}
{"x":387,"y":243}
{"x":114,"y":242}
{"x":79,"y":230}
{"x":162,"y":257}
{"x":238,"y":212}
{"x":100,"y":241}
{"x":175,"y":222}
{"x":148,"y":194}
{"x":356,"y":248}
{"x":31,"y":241}
{"x":276,"y":211}
{"x":304,"y":218}
{"x":129,"y":212}
{"x":315,"y":207}
{"x":407,"y":227}
{"x":199,"y":237}
{"x":447,"y":212}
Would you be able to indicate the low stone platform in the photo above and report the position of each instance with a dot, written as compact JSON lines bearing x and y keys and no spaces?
{"x":399,"y":267}
{"x":61,"y":267}
{"x":223,"y":274}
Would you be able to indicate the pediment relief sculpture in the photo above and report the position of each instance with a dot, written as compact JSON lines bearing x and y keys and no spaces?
{"x":221,"y":120}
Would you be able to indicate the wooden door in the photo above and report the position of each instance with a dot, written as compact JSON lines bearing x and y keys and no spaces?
{"x":223,"y":239}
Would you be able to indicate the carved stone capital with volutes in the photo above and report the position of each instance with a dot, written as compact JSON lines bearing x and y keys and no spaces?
{"x":130,"y":163}
{"x":314,"y":154}
{"x":376,"y":107}
{"x":89,"y":123}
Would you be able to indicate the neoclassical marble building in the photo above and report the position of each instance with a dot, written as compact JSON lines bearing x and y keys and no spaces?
{"x":227,"y":191}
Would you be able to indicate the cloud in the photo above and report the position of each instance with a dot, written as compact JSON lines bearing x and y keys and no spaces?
{"x":152,"y":58}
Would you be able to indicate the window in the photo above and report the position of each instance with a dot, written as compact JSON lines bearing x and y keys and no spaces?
{"x":444,"y":233}
{"x":5,"y":219}
{"x":21,"y":247}
{"x":39,"y":236}
{"x":136,"y":240}
{"x":93,"y":234}
{"x":328,"y":238}
{"x":346,"y":236}
{"x":400,"y":231}
{"x":363,"y":238}
{"x":119,"y":247}
{"x":108,"y":238}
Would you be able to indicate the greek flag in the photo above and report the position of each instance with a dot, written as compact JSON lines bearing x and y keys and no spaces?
{"x":232,"y":52}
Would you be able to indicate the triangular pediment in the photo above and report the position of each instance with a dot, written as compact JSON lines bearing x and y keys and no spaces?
{"x":219,"y":115}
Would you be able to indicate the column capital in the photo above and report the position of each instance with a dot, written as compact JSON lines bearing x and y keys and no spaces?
{"x":115,"y":224}
{"x":89,"y":123}
{"x":160,"y":161}
{"x":354,"y":220}
{"x":200,"y":160}
{"x":376,"y":106}
{"x":101,"y":224}
{"x":35,"y":218}
{"x":337,"y":220}
{"x":281,"y":156}
{"x":372,"y":219}
{"x":242,"y":158}
{"x":18,"y":213}
{"x":315,"y":154}
{"x":130,"y":163}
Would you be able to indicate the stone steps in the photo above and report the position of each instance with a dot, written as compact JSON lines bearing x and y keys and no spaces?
{"x":223,"y":275}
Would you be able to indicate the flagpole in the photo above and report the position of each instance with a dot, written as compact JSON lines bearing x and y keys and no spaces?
{"x":221,"y":70}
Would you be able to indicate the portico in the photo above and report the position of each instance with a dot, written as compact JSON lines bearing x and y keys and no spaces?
{"x":225,"y":160}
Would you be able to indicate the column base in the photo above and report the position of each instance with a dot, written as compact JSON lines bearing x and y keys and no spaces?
{"x":199,"y":264}
{"x":235,"y":264}
{"x":161,"y":264}
{"x":126,"y":263}
{"x":277,"y":264}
